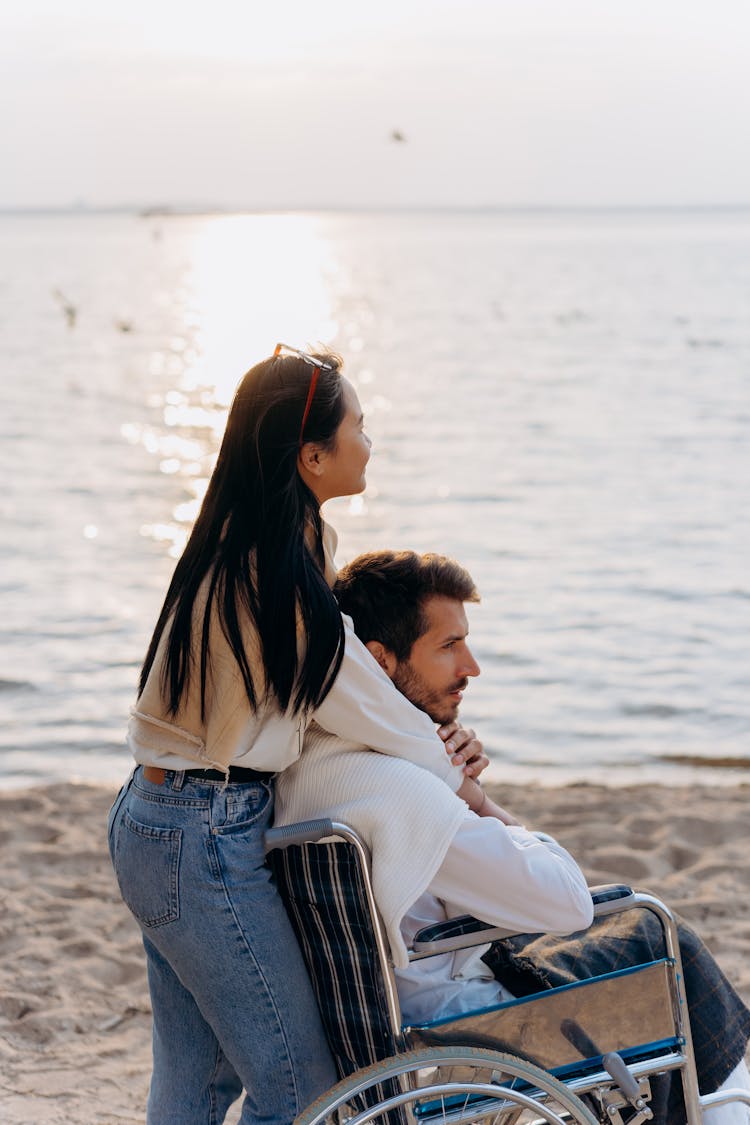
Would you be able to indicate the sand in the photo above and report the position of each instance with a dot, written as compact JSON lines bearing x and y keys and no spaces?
{"x":74,"y":1008}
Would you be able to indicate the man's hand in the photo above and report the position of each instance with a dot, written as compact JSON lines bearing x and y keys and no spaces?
{"x":464,"y":747}
{"x":466,"y":750}
{"x":482,"y":804}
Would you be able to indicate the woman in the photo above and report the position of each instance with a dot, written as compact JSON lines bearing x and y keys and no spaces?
{"x":249,"y":643}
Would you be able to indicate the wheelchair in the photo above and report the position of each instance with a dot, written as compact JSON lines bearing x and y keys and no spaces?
{"x":586,"y":1052}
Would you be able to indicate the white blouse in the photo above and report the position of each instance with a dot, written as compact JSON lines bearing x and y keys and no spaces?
{"x":362,"y":706}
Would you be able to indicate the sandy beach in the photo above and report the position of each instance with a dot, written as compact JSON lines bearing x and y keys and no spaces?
{"x":74,"y":1008}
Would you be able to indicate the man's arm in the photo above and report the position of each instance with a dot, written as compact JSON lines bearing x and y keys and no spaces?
{"x":507,"y":876}
{"x":463,"y":744}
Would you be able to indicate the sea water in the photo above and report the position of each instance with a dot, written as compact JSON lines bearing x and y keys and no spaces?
{"x":561,"y":400}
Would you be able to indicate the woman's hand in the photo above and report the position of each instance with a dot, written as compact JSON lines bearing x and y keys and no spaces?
{"x":464,"y":747}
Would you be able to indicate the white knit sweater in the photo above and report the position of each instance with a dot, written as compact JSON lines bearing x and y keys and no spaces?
{"x":374,"y":794}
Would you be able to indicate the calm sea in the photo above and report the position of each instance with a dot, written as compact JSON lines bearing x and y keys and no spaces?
{"x":560,"y":400}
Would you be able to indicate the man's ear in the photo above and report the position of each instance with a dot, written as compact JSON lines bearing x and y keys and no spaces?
{"x":384,"y":657}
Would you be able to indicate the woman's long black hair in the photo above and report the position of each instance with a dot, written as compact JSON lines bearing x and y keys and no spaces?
{"x":251,"y":543}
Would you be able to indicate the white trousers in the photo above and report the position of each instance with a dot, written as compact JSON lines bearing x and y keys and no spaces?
{"x":734,"y":1113}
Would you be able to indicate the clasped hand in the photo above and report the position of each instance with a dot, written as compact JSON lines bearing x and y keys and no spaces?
{"x":464,"y":747}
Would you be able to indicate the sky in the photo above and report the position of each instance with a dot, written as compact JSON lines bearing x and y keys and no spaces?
{"x":292,"y":105}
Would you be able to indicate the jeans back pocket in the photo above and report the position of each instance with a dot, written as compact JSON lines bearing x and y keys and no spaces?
{"x":147,"y":864}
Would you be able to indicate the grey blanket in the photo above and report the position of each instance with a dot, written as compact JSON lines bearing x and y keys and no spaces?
{"x":719,"y":1020}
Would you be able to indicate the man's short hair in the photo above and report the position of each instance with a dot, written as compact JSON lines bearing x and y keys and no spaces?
{"x":384,"y":592}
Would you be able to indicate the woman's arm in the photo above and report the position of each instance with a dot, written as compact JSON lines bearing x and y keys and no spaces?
{"x":363,"y":706}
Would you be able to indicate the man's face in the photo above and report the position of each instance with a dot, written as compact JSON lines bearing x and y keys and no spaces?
{"x":436,"y":672}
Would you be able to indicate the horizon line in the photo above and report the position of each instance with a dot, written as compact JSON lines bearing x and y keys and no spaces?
{"x":167,"y":211}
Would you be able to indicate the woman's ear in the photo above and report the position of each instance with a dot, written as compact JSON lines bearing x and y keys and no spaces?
{"x":384,"y":657}
{"x":311,"y":458}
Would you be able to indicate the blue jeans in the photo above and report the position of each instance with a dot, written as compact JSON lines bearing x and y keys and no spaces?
{"x":233,"y":1008}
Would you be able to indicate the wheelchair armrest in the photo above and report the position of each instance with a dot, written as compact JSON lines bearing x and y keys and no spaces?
{"x":456,"y":933}
{"x":611,"y":898}
{"x":304,"y":832}
{"x":465,"y":931}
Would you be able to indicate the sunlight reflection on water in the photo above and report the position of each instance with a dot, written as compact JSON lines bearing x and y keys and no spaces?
{"x":252,"y":280}
{"x":559,"y":402}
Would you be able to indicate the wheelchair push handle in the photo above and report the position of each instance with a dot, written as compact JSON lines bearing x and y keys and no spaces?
{"x":304,"y":832}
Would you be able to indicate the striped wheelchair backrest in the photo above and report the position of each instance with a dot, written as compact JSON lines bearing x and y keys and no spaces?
{"x":323,"y":891}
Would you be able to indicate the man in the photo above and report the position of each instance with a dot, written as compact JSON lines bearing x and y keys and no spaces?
{"x":432,"y":858}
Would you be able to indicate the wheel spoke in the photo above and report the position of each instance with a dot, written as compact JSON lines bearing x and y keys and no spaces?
{"x":455,"y":1086}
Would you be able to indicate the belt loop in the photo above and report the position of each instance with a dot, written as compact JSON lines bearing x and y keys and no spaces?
{"x":178,"y":780}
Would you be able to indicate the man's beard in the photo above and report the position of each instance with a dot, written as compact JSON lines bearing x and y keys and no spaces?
{"x":417,"y":691}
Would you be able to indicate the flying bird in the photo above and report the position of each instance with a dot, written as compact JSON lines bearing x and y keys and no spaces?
{"x":397,"y":136}
{"x":70,"y":312}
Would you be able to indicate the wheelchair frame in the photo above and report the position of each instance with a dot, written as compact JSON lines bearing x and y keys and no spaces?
{"x":614,"y":1084}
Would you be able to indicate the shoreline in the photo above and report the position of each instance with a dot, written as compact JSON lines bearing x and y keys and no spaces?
{"x":74,"y":1010}
{"x":719,"y":775}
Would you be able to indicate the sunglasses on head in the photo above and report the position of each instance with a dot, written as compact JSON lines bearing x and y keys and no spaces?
{"x":317,"y":366}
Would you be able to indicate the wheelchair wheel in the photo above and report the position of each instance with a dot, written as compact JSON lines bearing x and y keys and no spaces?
{"x":436,"y":1085}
